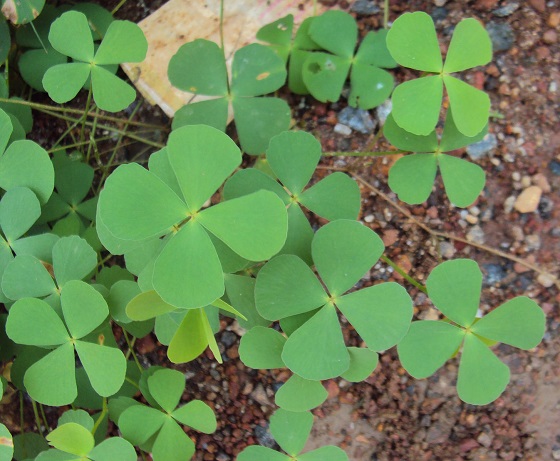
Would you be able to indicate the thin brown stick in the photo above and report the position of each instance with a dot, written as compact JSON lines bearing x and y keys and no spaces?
{"x":445,"y":235}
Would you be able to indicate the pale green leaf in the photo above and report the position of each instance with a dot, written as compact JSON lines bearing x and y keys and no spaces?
{"x":136,"y":205}
{"x":274,"y":291}
{"x":138,"y":423}
{"x":335,"y":31}
{"x":291,"y":429}
{"x":470,"y":47}
{"x":33,"y":322}
{"x":335,"y":197}
{"x":417,"y":103}
{"x":250,"y":180}
{"x":406,"y":141}
{"x":198,"y":415}
{"x":258,"y":120}
{"x":73,"y":259}
{"x":105,"y":366}
{"x":369,"y":86}
{"x":15,"y":171}
{"x":412,"y":177}
{"x":114,"y":448}
{"x":6,"y":443}
{"x":240,"y":291}
{"x":293,"y":156}
{"x":316,"y":350}
{"x":72,"y":438}
{"x":202,"y":158}
{"x":482,"y":376}
{"x":19,"y":209}
{"x":519,"y":322}
{"x":256,"y":70}
{"x":166,"y":387}
{"x":427,"y":346}
{"x":188,"y":273}
{"x":172,"y":444}
{"x":199,"y":67}
{"x":124,"y":41}
{"x":110,"y":93}
{"x":64,"y":81}
{"x":80,"y":417}
{"x":52,"y":380}
{"x":261,"y":348}
{"x":373,"y":50}
{"x":363,"y":362}
{"x":381,"y":314}
{"x":213,"y":113}
{"x":412,"y":41}
{"x":147,"y":305}
{"x":470,"y":106}
{"x":343,"y":251}
{"x":462,"y":179}
{"x":454,"y":288}
{"x":324,"y":75}
{"x":299,"y":394}
{"x":189,"y":341}
{"x":71,"y":36}
{"x":83,"y":307}
{"x":300,"y":235}
{"x":452,"y":138}
{"x":254,"y":226}
{"x":25,"y":276}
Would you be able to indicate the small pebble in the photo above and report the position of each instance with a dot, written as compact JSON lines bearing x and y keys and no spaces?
{"x":546,"y":280}
{"x":516,"y":176}
{"x":533,"y":242}
{"x":501,"y":34}
{"x":440,"y":2}
{"x":471,"y":219}
{"x":540,"y":180}
{"x":505,"y":10}
{"x":550,"y":37}
{"x":508,"y":204}
{"x":344,"y":130}
{"x":383,"y":111}
{"x":528,"y":200}
{"x":358,"y":119}
{"x":365,"y":7}
{"x":482,"y":148}
{"x":476,"y":235}
{"x":554,"y":166}
{"x":447,"y":250}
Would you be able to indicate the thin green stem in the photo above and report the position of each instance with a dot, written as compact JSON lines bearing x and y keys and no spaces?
{"x":386,"y":14}
{"x":222,"y":26}
{"x":77,"y":144}
{"x":44,"y":416}
{"x":108,"y":128}
{"x":118,"y":7}
{"x":363,"y":154}
{"x":92,"y":139}
{"x":131,"y":349}
{"x":104,"y":410}
{"x":21,"y":417}
{"x":84,"y":116}
{"x":37,"y":419}
{"x":402,"y":273}
{"x":80,"y":112}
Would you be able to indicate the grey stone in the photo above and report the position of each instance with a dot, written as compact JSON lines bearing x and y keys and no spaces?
{"x":493,"y":274}
{"x":554,"y":166}
{"x":357,"y":119}
{"x":501,"y":34}
{"x":264,"y":437}
{"x":383,"y":111}
{"x":365,"y":7}
{"x":439,"y":13}
{"x":228,"y":338}
{"x":482,"y":148}
{"x":476,"y":235}
{"x":447,"y":249}
{"x":344,"y":130}
{"x":505,"y":10}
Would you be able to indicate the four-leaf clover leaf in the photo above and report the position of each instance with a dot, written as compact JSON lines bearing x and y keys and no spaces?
{"x":70,"y":35}
{"x":412,"y":176}
{"x":199,"y":67}
{"x":343,"y":251}
{"x":291,"y":431}
{"x":454,"y":287}
{"x":413,"y":43}
{"x":293,"y":157}
{"x":157,"y":428}
{"x":137,"y":205}
{"x":324,"y":74}
{"x":52,"y":380}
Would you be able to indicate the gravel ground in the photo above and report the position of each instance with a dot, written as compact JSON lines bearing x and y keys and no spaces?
{"x":391,"y":416}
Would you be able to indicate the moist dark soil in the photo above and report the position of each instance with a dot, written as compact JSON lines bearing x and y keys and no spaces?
{"x":391,"y":416}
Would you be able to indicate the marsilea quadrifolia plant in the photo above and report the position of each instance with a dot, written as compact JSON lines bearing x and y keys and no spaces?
{"x":196,"y":234}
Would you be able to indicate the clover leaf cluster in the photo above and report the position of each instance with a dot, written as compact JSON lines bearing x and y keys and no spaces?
{"x":203,"y":234}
